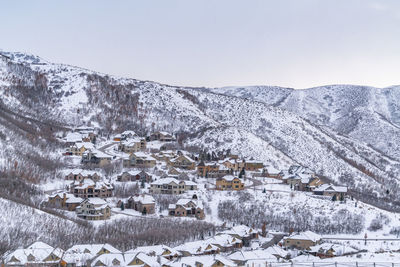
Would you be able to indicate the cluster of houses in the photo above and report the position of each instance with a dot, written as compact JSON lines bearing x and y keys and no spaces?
{"x":232,"y":247}
{"x":302,"y":179}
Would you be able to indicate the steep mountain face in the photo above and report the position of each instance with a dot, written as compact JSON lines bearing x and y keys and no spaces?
{"x":360,"y":112}
{"x":280,"y":126}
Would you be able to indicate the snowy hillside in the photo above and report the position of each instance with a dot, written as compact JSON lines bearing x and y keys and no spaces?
{"x":347,"y":109}
{"x":332,"y":131}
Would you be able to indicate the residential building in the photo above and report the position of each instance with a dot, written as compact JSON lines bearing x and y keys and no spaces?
{"x":88,"y":188}
{"x":132,"y":145}
{"x":229,"y":182}
{"x":182,"y":162}
{"x":139,"y":160}
{"x":171,"y":186}
{"x":187,"y":207}
{"x":64,"y":200}
{"x":94,"y":209}
{"x":334,"y":191}
{"x":96,"y":158}
{"x":162,"y":136}
{"x":38,"y":254}
{"x":141,"y":202}
{"x":302,"y":241}
{"x":134,"y":176}
{"x":79,"y":175}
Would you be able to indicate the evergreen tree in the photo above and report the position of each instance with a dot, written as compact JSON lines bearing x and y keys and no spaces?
{"x":144,"y":211}
{"x":334,"y":198}
{"x":122,"y":206}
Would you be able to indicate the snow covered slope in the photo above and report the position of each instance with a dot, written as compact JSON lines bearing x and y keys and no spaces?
{"x":277,"y":125}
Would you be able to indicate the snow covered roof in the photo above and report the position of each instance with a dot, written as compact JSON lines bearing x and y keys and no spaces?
{"x":307,"y":235}
{"x":132,"y":141}
{"x":87,"y":182}
{"x":337,"y":250}
{"x":92,"y":248}
{"x":143,"y":155}
{"x":252,"y":255}
{"x":229,"y":178}
{"x":144,"y":199}
{"x":73,"y":137}
{"x":35,"y":253}
{"x":156,"y":250}
{"x":240,"y":230}
{"x":204,"y":260}
{"x":331,"y":188}
{"x":96,"y":201}
{"x":82,"y":172}
{"x":277,"y":251}
{"x":86,"y":145}
{"x":167,"y":180}
{"x":185,"y":201}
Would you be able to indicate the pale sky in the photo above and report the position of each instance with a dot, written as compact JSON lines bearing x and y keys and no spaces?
{"x":298,"y":43}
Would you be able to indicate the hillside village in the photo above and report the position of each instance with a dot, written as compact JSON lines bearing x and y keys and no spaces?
{"x":131,"y":176}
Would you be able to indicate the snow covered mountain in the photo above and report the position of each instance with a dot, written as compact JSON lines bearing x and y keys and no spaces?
{"x":345,"y":135}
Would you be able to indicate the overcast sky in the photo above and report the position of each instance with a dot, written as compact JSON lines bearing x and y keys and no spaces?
{"x":299,"y":43}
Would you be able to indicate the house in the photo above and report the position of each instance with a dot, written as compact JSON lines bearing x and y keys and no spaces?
{"x":94,"y":249}
{"x":226,"y":242}
{"x":336,"y":192}
{"x":87,"y":132}
{"x":141,"y":259}
{"x":79,"y":175}
{"x":187,"y":207}
{"x":134,"y":176}
{"x":253,"y":165}
{"x":202,"y":261}
{"x":243,"y":232}
{"x":88,"y":188}
{"x":72,"y":138}
{"x":139,"y":160}
{"x":302,"y":241}
{"x":204,"y":168}
{"x":162,"y":136}
{"x":182,"y":162}
{"x":38,"y":254}
{"x":131,"y":145}
{"x":96,"y":157}
{"x":171,"y":186}
{"x":165,"y":155}
{"x":79,"y":148}
{"x":64,"y":200}
{"x":141,"y":202}
{"x":271,"y":172}
{"x":109,"y":259}
{"x":278,"y":252}
{"x":94,"y":209}
{"x":173,"y":172}
{"x":200,"y":247}
{"x":157,"y":250}
{"x":243,"y":257}
{"x":229,"y":182}
{"x":328,"y":250}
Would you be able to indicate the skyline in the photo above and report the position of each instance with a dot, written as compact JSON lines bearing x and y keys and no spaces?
{"x":297,"y":44}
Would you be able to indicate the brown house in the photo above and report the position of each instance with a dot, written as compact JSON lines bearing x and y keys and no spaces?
{"x":141,"y":202}
{"x":79,"y":175}
{"x":139,"y":160}
{"x":162,"y":136}
{"x":302,"y":241}
{"x":87,"y":188}
{"x":229,"y":182}
{"x":182,"y":162}
{"x":187,"y":208}
{"x":134,"y":176}
{"x":64,"y":200}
